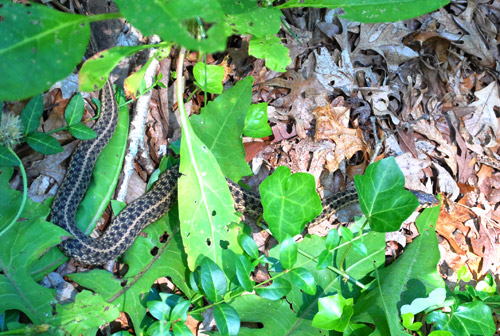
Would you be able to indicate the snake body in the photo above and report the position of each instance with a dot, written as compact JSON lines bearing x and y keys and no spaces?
{"x":137,"y":215}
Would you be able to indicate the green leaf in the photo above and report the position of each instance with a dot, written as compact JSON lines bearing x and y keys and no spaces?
{"x":304,"y":280}
{"x":159,"y":309}
{"x":82,"y":132}
{"x":95,"y":71}
{"x":180,"y":310}
{"x":334,"y":313}
{"x":180,"y":329}
{"x":247,"y":18}
{"x":37,"y":40}
{"x":220,"y":125}
{"x":396,"y":284}
{"x":276,"y":290}
{"x":332,"y":239}
{"x":74,"y":111}
{"x":269,"y":48}
{"x":243,"y":270}
{"x":213,"y":280}
{"x":105,"y":174}
{"x":373,"y":10}
{"x":473,"y":318}
{"x":209,"y":77}
{"x":43,"y":143}
{"x":256,"y":121}
{"x":31,"y":114}
{"x":227,"y":319}
{"x":382,"y":196}
{"x":23,"y":244}
{"x":170,"y":20}
{"x":289,"y":201}
{"x":346,"y":233}
{"x":408,"y":323}
{"x":249,"y":245}
{"x":85,"y":315}
{"x":436,"y":298}
{"x":325,"y":259}
{"x":288,"y":253}
{"x":7,"y":159}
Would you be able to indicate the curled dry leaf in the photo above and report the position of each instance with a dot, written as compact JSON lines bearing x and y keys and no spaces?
{"x":332,"y":124}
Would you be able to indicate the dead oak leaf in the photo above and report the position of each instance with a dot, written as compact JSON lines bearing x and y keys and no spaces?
{"x":483,"y":119}
{"x":332,"y":124}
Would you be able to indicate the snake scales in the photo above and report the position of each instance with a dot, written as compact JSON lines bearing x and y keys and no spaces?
{"x":143,"y":211}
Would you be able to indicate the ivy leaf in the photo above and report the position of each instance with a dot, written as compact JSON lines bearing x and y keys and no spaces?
{"x":288,"y":253}
{"x":269,"y":48}
{"x":43,"y":143}
{"x":38,"y":40}
{"x":227,"y":319}
{"x":382,"y":196}
{"x":289,"y":201}
{"x":213,"y":280}
{"x":276,"y":290}
{"x":334,"y":313}
{"x":303,"y":279}
{"x":208,"y":77}
{"x":472,"y":318}
{"x":256,"y":121}
{"x":31,"y":114}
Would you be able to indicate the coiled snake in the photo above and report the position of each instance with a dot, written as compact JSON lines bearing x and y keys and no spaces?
{"x":136,"y":216}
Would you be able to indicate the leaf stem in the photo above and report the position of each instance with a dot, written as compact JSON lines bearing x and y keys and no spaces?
{"x":25,"y":193}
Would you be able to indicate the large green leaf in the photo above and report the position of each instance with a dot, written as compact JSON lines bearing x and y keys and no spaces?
{"x":131,"y":292}
{"x":289,"y":201}
{"x":172,"y":20}
{"x":106,"y":173}
{"x":269,"y":48}
{"x":413,"y":275}
{"x":246,"y":17}
{"x":382,"y":196}
{"x":22,"y":245}
{"x":37,"y":40}
{"x":373,"y":10}
{"x":85,"y":315}
{"x":472,"y":318}
{"x":220,"y":127}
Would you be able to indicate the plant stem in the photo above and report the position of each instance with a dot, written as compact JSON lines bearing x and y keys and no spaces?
{"x":25,"y":193}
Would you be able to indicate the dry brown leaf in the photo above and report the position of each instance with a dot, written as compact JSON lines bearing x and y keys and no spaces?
{"x":483,"y":123}
{"x":332,"y":124}
{"x":449,"y":222}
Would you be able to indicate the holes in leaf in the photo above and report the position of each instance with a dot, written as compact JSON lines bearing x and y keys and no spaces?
{"x":164,"y":237}
{"x":214,"y":213}
{"x":209,"y":242}
{"x":252,"y":325}
{"x":154,"y":251}
{"x":224,"y":244}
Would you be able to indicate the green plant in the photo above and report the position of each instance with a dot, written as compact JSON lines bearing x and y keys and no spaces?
{"x":337,"y":282}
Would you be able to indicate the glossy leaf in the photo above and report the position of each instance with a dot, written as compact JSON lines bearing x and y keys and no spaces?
{"x":160,"y":310}
{"x":227,"y":319}
{"x":325,"y":259}
{"x":180,"y":310}
{"x":213,"y":280}
{"x":289,"y":201}
{"x":249,"y":245}
{"x":256,"y":121}
{"x":436,"y":299}
{"x":334,"y":313}
{"x":180,"y":329}
{"x":243,"y":270}
{"x":332,"y":239}
{"x":304,"y":280}
{"x":73,"y":113}
{"x":82,"y":132}
{"x":382,"y":196}
{"x":208,"y":77}
{"x":288,"y":253}
{"x":276,"y":290}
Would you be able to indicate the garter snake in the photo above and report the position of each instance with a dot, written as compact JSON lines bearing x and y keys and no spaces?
{"x":137,"y":215}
